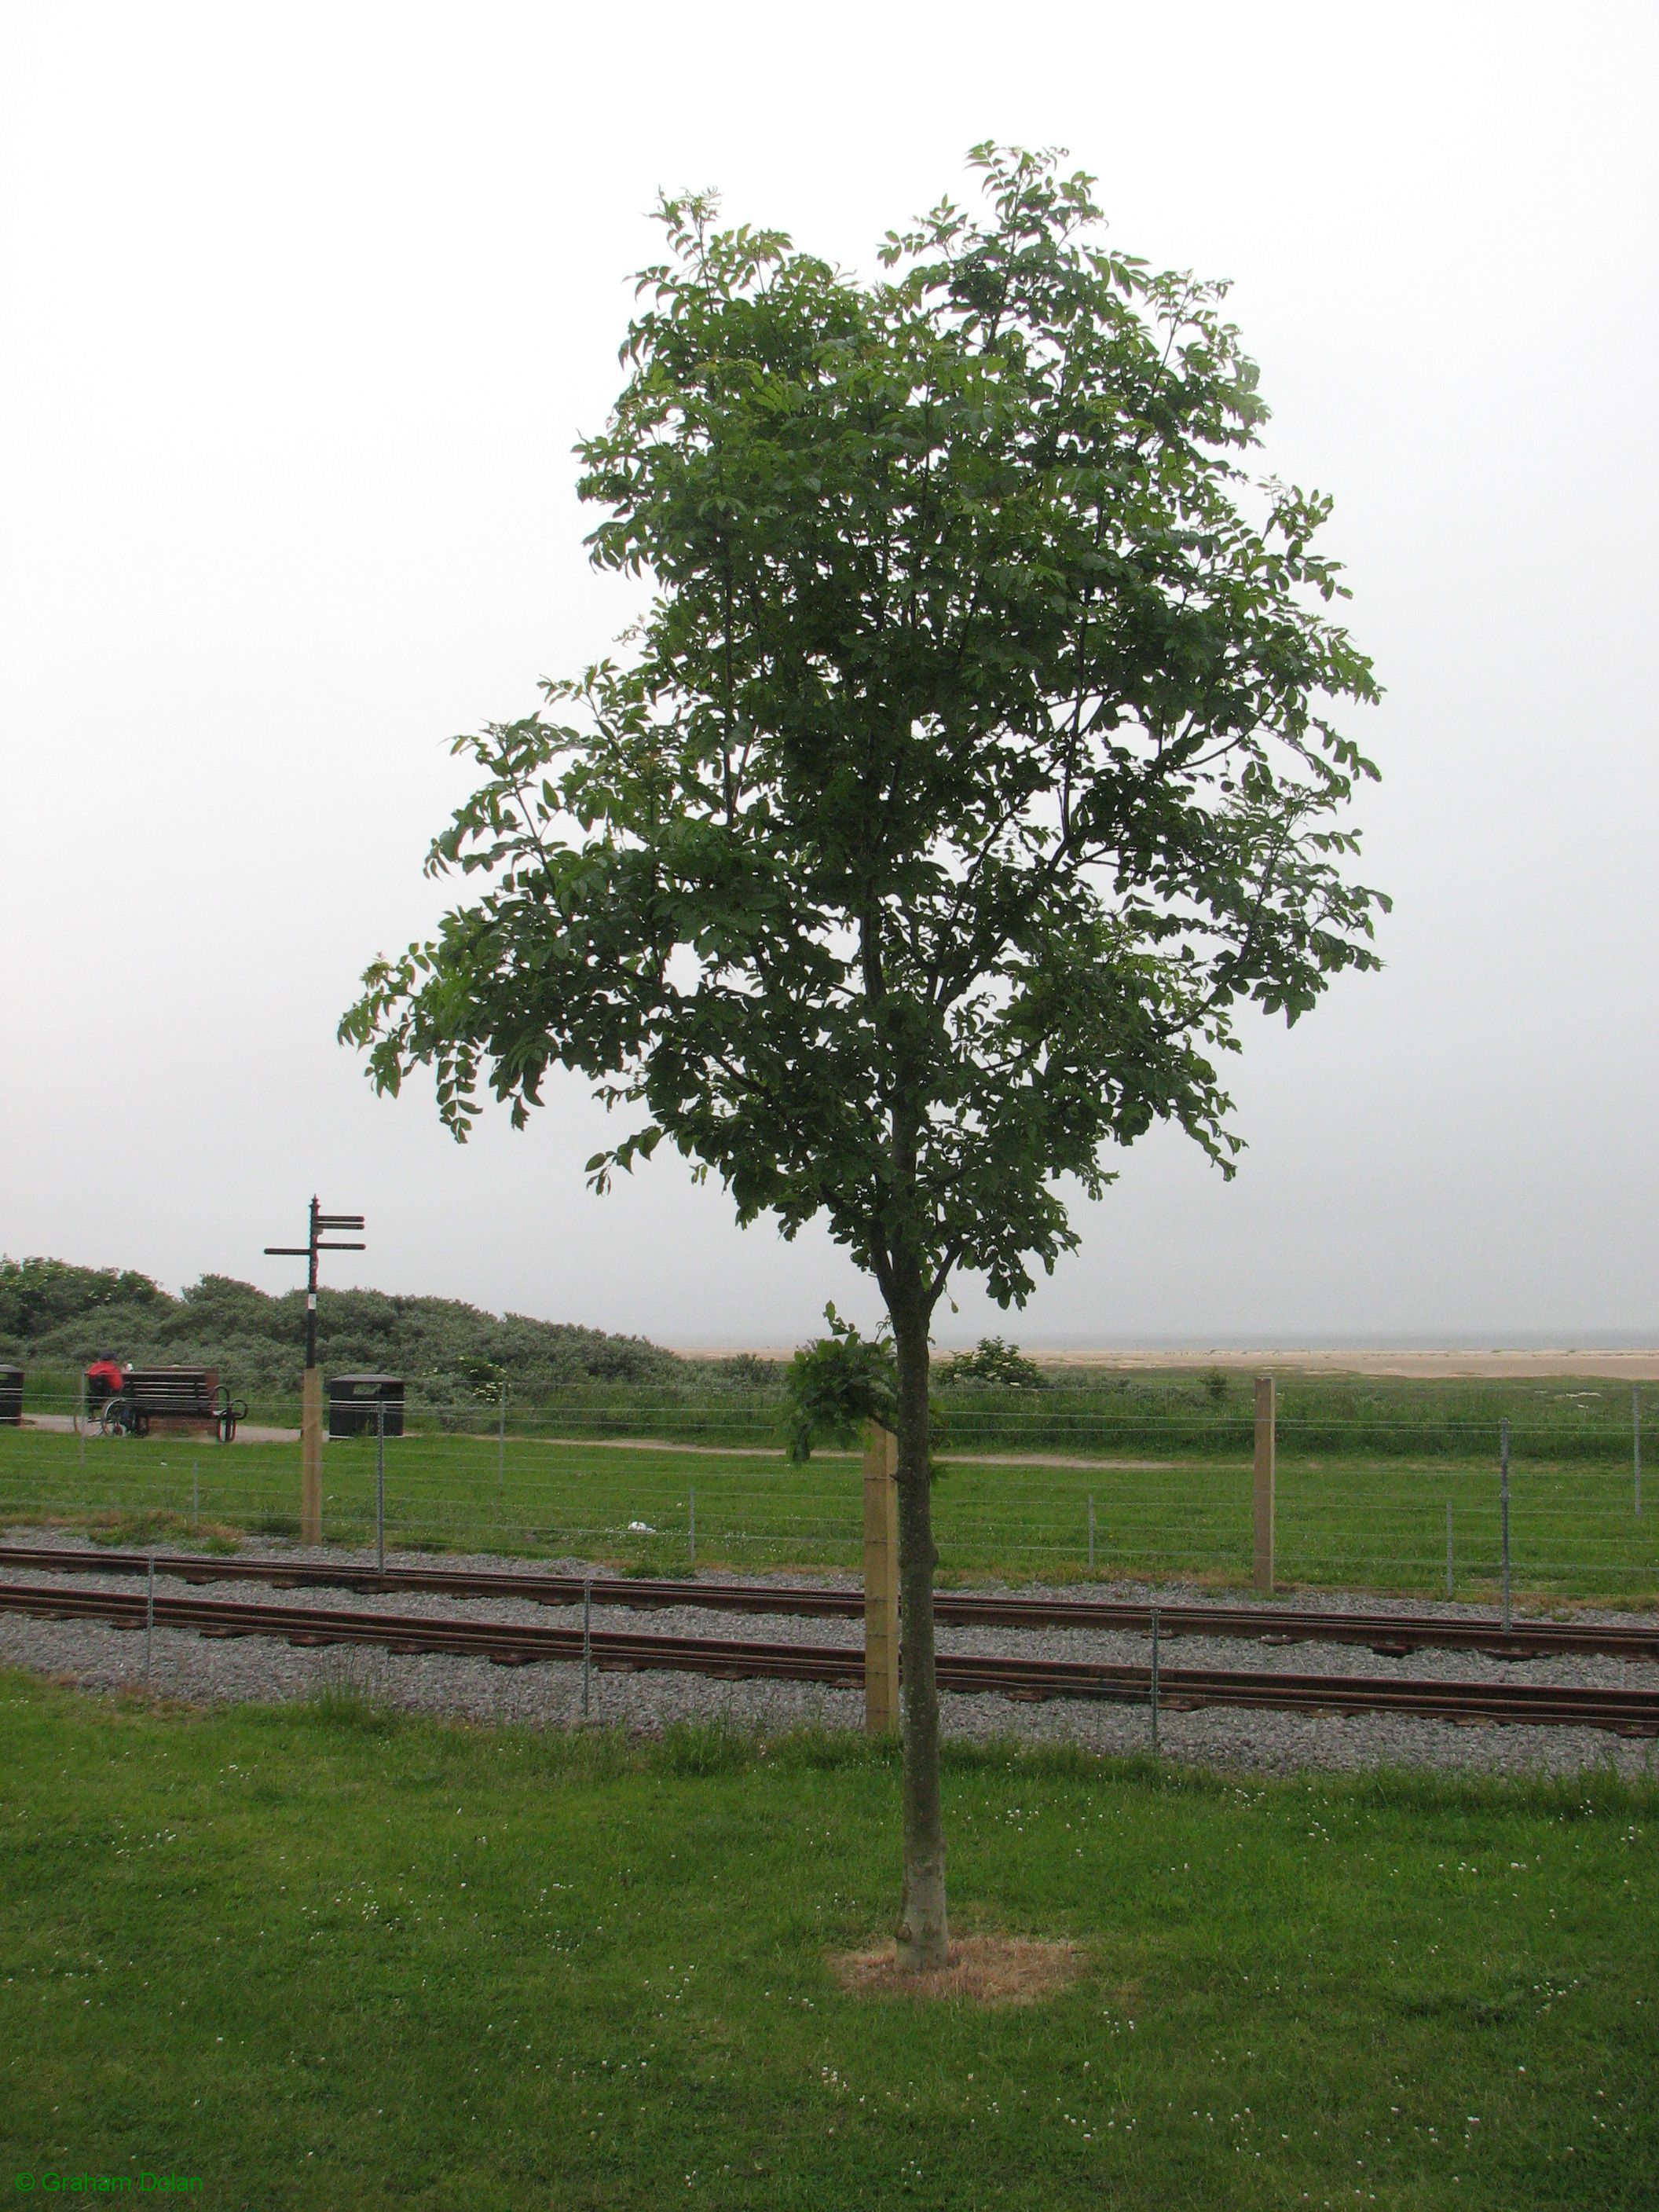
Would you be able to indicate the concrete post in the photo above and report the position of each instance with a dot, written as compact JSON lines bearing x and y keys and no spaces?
{"x":311,"y":1456}
{"x":881,"y":1621}
{"x":1265,"y":1457}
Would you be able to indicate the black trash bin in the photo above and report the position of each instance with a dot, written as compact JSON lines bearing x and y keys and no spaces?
{"x":354,"y":1403}
{"x":11,"y":1395}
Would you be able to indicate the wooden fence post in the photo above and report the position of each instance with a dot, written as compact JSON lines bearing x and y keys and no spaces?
{"x":881,"y":1628}
{"x":311,"y":1456}
{"x":1265,"y":1443}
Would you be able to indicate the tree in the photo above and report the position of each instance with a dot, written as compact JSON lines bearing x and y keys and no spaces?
{"x":971,"y":766}
{"x":1002,"y":1366}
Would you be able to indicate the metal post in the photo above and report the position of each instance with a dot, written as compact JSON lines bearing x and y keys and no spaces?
{"x":150,"y":1612}
{"x":881,"y":1620}
{"x":195,"y":1494}
{"x":311,"y":1408}
{"x":691,"y":1532}
{"x":588,"y":1642}
{"x":1266,"y":1441}
{"x":500,"y":1444}
{"x":1091,"y":1534}
{"x":82,"y":1423}
{"x":311,"y":1286}
{"x":1635,"y":1441}
{"x":380,"y":1486}
{"x":1154,"y":1680}
{"x":1449,"y":1547}
{"x":1503,"y":1502}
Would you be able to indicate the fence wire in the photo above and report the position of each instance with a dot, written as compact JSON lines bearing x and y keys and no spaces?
{"x":1159,"y":1500}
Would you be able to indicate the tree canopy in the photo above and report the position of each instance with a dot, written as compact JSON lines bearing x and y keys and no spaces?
{"x":968,"y":769}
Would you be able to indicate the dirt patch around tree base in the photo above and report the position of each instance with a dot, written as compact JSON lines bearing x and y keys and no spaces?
{"x":983,"y":1969}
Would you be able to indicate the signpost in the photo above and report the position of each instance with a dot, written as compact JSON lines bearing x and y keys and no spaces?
{"x":311,"y":1388}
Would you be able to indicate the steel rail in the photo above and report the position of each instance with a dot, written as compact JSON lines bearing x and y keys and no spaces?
{"x":1390,"y":1635}
{"x":1627,"y":1712}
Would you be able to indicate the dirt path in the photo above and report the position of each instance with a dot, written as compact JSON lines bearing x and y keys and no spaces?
{"x":772,"y":1451}
{"x":63,"y":1425}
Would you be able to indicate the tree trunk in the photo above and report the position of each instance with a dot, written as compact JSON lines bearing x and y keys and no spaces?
{"x":923,"y":1931}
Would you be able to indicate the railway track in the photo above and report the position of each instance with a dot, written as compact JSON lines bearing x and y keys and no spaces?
{"x":1387,"y":1634}
{"x":1627,"y":1712}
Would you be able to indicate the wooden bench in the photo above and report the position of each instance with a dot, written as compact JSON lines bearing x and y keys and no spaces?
{"x":177,"y":1400}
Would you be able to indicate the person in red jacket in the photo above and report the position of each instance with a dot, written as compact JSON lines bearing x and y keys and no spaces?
{"x":106,"y":1379}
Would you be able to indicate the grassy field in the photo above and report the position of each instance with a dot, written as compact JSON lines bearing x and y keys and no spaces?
{"x":1345,"y":1519}
{"x":322,"y":1956}
{"x":1179,"y":1413}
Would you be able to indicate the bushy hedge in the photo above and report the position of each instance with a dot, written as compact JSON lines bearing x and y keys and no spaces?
{"x":53,"y":1315}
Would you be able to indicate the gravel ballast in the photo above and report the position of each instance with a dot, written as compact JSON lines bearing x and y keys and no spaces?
{"x":218,"y":1670}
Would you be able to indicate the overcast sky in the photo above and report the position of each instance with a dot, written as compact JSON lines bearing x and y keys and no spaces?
{"x":301,"y":310}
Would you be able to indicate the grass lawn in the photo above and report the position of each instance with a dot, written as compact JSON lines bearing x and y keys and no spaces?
{"x":324,"y":1957}
{"x":1373,"y":1523}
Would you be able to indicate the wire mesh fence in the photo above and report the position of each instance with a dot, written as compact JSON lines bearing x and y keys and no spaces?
{"x":1189,"y":1415}
{"x":1022,"y":1492}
